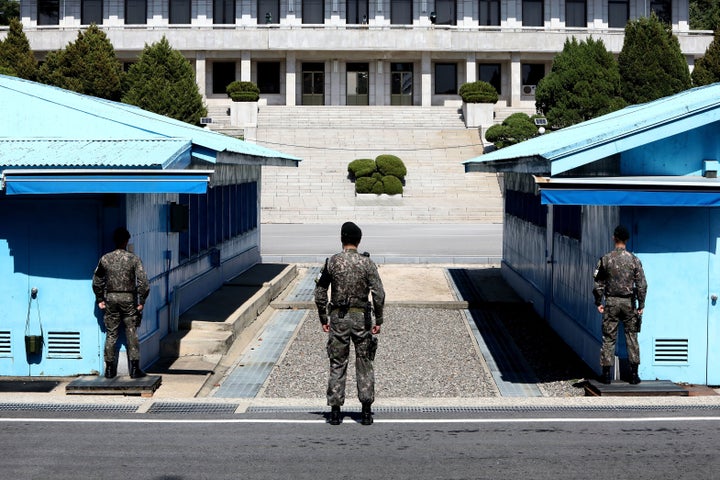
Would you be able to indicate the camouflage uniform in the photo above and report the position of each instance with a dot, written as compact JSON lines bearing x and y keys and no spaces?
{"x":353,"y":276}
{"x":120,"y":281}
{"x":620,"y":279}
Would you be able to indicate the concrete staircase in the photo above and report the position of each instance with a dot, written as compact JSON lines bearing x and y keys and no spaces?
{"x":432,"y":142}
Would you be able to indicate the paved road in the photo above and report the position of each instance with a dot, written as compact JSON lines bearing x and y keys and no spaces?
{"x":540,"y":445}
{"x":397,"y":243}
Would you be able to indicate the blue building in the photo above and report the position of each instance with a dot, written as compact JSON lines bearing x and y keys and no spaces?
{"x":76,"y":167}
{"x":652,"y":167}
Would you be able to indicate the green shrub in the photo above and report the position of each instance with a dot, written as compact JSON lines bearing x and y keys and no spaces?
{"x":378,"y":188}
{"x":478,"y":92}
{"x":365,"y":184}
{"x":243,"y":91}
{"x":392,"y":185}
{"x":391,"y":165}
{"x":362,"y":167}
{"x":514,"y":129}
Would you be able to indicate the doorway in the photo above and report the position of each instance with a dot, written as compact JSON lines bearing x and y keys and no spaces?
{"x":313,"y":83}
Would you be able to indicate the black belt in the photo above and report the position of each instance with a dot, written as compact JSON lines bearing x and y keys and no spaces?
{"x":620,"y":296}
{"x":122,"y":291}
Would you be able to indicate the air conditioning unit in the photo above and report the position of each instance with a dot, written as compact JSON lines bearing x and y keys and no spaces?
{"x":528,"y":89}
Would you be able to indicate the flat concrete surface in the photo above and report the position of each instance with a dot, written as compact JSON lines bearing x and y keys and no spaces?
{"x":649,"y":388}
{"x":121,"y":385}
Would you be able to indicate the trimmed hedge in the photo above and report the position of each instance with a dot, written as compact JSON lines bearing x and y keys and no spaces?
{"x":478,"y":92}
{"x":391,"y":165}
{"x":392,"y":185}
{"x":385,"y":174}
{"x":362,"y":167}
{"x":364,"y":184}
{"x":243,"y":91}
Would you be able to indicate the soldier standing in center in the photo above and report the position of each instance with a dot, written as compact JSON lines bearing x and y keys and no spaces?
{"x":353,"y":276}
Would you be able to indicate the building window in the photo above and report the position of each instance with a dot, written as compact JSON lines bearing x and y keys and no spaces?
{"x":91,"y":11}
{"x":223,"y":11}
{"x":179,"y":12}
{"x":223,"y":75}
{"x":445,"y":79}
{"x":532,"y":13}
{"x":445,"y":11}
{"x":268,"y":11}
{"x":490,"y":73}
{"x":313,"y":11}
{"x":567,"y":220}
{"x":268,"y":77}
{"x":618,"y":13}
{"x":401,"y":12}
{"x":526,"y":206}
{"x":663,"y":10}
{"x":489,"y":12}
{"x":48,"y":12}
{"x":135,"y":12}
{"x":532,"y":73}
{"x":357,"y":12}
{"x":575,"y":13}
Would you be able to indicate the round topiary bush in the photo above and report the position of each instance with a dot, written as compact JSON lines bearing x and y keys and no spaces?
{"x":362,"y":167}
{"x":478,"y":92}
{"x":378,"y":188}
{"x":243,"y":91}
{"x":392,"y":185}
{"x":365,"y":184}
{"x":391,"y":165}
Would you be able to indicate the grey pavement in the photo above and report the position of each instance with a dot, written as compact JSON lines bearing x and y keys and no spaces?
{"x":261,"y":370}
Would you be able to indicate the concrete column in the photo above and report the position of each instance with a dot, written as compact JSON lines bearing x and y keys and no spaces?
{"x":515,"y":80}
{"x":335,"y":80}
{"x":470,"y":69}
{"x":200,"y":74}
{"x":426,"y":76}
{"x":290,"y":76}
{"x":380,"y":83}
{"x":245,"y":67}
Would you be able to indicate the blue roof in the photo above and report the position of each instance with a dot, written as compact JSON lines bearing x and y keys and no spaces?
{"x":586,"y":142}
{"x":42,"y":112}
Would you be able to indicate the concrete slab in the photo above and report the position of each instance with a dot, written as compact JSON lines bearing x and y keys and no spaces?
{"x":644,"y":389}
{"x":121,"y":385}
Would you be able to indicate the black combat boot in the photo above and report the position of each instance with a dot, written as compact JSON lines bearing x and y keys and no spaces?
{"x":634,"y":378}
{"x":135,"y":371}
{"x":366,"y":418}
{"x":335,"y":417}
{"x":606,"y":377}
{"x":110,"y":370}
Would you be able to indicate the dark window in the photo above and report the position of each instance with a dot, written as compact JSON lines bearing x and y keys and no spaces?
{"x":532,"y":73}
{"x":445,"y":79}
{"x":401,"y":12}
{"x":180,"y":12}
{"x":223,"y":75}
{"x":532,"y":13}
{"x":490,"y":73}
{"x":617,"y":13}
{"x":223,"y":11}
{"x":135,"y":12}
{"x":663,"y":10}
{"x":575,"y":13}
{"x":445,"y":11}
{"x":313,"y":11}
{"x":48,"y":12}
{"x":526,"y":206}
{"x":268,"y":77}
{"x":357,"y":12}
{"x":489,"y":12}
{"x":567,"y":220}
{"x":91,"y":12}
{"x":268,"y":11}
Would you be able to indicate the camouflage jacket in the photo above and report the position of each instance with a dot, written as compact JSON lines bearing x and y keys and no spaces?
{"x":120,"y":272}
{"x":620,"y":274}
{"x":353,"y":277}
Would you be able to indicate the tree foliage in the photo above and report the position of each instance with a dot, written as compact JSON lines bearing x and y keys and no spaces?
{"x":584,"y":83}
{"x":88,"y":65}
{"x":651,"y":63}
{"x":9,"y":9}
{"x":163,"y":81}
{"x":16,"y":57}
{"x":704,"y":14}
{"x":478,"y":92}
{"x":707,"y":69}
{"x":516,"y":128}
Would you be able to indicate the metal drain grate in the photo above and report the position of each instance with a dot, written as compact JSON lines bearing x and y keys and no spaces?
{"x":179,"y":407}
{"x":495,"y":409}
{"x":305,"y":288}
{"x":50,"y":407}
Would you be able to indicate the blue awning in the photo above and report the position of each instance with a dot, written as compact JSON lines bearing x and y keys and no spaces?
{"x":53,"y":182}
{"x":671,"y":191}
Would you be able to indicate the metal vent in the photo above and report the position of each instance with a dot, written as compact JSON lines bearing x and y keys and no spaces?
{"x":5,"y":344}
{"x":64,"y":345}
{"x":671,"y":350}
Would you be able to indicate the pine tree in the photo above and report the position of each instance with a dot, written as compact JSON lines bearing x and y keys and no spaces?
{"x":16,"y":58}
{"x":584,"y":83}
{"x":707,"y":69}
{"x":88,"y":66}
{"x":163,"y":81}
{"x":9,"y":9}
{"x":651,"y":63}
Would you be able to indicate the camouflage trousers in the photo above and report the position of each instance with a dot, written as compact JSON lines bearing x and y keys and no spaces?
{"x":342,"y":331}
{"x":618,"y":310}
{"x":115,"y":313}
